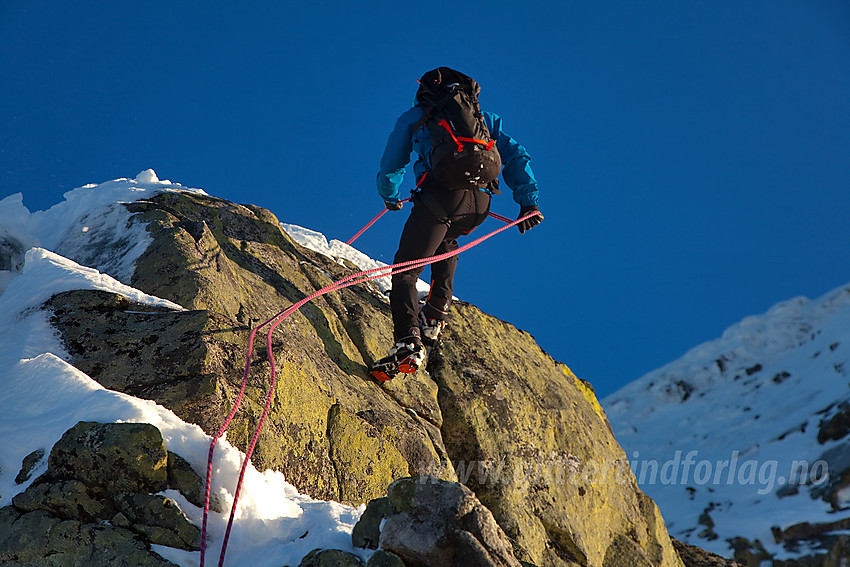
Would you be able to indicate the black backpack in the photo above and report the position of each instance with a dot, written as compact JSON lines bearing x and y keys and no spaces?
{"x":463,"y":153}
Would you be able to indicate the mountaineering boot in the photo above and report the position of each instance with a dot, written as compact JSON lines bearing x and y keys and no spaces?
{"x":406,"y":356}
{"x":430,"y":328}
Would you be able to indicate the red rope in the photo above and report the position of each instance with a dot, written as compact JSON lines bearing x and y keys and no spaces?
{"x":501,"y":218}
{"x":353,"y":279}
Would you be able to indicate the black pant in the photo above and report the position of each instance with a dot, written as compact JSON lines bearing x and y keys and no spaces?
{"x":427,"y":235}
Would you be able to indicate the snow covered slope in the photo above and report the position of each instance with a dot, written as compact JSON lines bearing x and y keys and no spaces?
{"x":43,"y":395}
{"x":726,"y":439}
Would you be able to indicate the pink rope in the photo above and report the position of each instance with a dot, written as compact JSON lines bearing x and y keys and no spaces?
{"x":370,"y":223}
{"x":353,"y":279}
{"x":382,"y":213}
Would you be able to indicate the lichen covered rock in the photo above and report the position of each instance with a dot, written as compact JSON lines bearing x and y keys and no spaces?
{"x":530,"y":439}
{"x":117,"y":457}
{"x":93,"y":506}
{"x":37,"y":538}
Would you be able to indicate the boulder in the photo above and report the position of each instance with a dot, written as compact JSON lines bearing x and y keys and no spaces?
{"x":367,"y":530}
{"x":66,"y":499}
{"x":383,"y":558}
{"x":117,"y":457}
{"x":93,"y":506}
{"x":39,"y":539}
{"x":159,"y":520}
{"x":330,"y":558}
{"x":435,"y":522}
{"x":183,"y":478}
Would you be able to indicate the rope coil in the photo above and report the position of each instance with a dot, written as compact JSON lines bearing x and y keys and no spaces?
{"x":353,"y":279}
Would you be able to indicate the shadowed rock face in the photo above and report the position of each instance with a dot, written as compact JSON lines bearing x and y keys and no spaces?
{"x":529,"y":438}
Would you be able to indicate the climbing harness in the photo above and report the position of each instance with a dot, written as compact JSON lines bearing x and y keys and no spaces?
{"x":353,"y":279}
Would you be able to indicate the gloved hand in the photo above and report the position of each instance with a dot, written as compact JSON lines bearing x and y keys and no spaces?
{"x":531,"y":222}
{"x":393,"y":206}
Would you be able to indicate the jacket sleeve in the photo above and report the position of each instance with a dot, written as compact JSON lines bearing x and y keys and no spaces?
{"x":396,"y":155}
{"x":516,"y":166}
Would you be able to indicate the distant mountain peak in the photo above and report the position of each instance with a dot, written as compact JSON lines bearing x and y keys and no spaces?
{"x":752,"y":428}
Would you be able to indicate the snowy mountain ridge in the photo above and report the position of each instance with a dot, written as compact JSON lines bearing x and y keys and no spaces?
{"x":755,"y":340}
{"x":729,"y":439}
{"x":63,"y":227}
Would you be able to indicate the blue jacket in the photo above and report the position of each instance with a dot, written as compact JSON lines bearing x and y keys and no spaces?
{"x":516,"y":170}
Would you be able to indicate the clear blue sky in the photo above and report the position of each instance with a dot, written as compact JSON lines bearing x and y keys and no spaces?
{"x":693,"y":157}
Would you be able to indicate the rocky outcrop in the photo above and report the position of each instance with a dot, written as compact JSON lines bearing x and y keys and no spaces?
{"x":693,"y":556}
{"x":830,"y":539}
{"x":837,"y":426}
{"x":96,"y":503}
{"x":332,"y":433}
{"x":492,"y":410}
{"x":530,"y":439}
{"x":426,"y":521}
{"x":11,"y":254}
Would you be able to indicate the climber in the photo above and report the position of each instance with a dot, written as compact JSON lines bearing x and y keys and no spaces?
{"x":461,"y":151}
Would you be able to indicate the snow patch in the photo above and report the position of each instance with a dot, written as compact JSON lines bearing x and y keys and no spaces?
{"x":338,"y":251}
{"x":47,"y":228}
{"x":148,"y":176}
{"x":49,"y":273}
{"x":66,"y":221}
{"x":106,"y":239}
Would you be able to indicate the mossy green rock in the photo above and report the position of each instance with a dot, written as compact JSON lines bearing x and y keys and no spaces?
{"x":183,"y":478}
{"x":159,"y":520}
{"x":67,"y":499}
{"x":367,"y":458}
